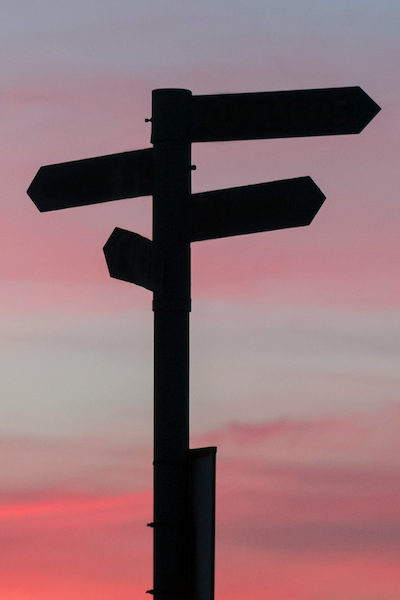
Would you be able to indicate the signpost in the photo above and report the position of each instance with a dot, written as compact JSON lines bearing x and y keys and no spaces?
{"x":184,"y":479}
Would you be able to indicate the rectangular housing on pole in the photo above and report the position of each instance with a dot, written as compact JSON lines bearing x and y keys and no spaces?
{"x":171,"y":305}
{"x":202,"y":475}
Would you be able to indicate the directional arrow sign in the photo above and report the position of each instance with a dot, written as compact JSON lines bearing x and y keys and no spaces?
{"x":253,"y":208}
{"x":93,"y":180}
{"x":132,"y":258}
{"x":330,"y":111}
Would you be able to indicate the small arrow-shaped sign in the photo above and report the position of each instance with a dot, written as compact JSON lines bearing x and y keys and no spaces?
{"x":254,"y":208}
{"x":132,"y":257}
{"x":93,"y":180}
{"x":297,"y":113}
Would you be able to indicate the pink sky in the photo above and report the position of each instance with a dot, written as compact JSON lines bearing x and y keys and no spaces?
{"x":295,"y":334}
{"x":305,"y":509}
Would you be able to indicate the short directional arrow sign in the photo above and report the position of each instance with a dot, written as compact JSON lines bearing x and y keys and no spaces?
{"x":253,"y":208}
{"x":93,"y":180}
{"x":131,"y":257}
{"x":221,"y":213}
{"x":298,"y":113}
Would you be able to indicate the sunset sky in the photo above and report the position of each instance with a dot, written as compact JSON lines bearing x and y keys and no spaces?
{"x":295,"y":334}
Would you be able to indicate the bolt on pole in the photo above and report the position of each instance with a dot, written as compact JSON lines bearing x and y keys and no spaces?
{"x":171,"y":305}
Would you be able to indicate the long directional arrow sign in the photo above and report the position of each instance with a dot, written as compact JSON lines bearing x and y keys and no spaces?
{"x":93,"y":180}
{"x":298,"y":113}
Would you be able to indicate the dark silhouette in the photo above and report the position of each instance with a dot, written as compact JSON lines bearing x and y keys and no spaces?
{"x":184,"y":480}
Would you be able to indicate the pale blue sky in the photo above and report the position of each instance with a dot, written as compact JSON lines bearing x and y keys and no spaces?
{"x":280,"y":39}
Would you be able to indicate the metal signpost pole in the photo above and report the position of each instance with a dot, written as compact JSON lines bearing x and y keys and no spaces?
{"x":171,"y":305}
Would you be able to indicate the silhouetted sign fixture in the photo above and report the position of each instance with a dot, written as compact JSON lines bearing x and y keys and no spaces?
{"x":254,"y":208}
{"x":132,"y":257}
{"x":220,"y":213}
{"x":184,"y":525}
{"x":297,"y":113}
{"x":330,"y":111}
{"x":93,"y":180}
